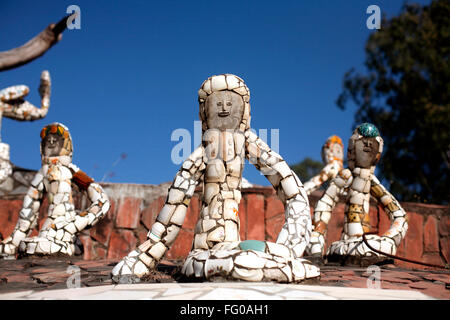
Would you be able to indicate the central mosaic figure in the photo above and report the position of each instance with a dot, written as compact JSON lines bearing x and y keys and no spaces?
{"x":217,"y":250}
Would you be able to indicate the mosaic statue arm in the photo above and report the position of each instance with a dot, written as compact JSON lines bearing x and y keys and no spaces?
{"x":392,"y":207}
{"x":99,"y":200}
{"x":27,"y":216}
{"x":296,"y":231}
{"x":324,"y":209}
{"x":168,"y":222}
{"x":328,"y":172}
{"x":15,"y":107}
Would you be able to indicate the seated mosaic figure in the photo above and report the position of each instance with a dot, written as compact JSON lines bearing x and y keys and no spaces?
{"x":14,"y":106}
{"x":359,"y":181}
{"x":217,"y":250}
{"x":333,"y":157}
{"x":55,"y":177}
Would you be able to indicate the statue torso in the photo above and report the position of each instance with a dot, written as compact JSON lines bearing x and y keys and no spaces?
{"x":224,"y":158}
{"x":358,"y":203}
{"x":57,"y":182}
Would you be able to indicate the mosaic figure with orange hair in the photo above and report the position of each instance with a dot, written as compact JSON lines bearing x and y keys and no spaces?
{"x":333,"y":158}
{"x":55,"y":177}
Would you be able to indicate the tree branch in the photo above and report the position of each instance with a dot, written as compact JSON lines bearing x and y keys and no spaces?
{"x":34,"y":48}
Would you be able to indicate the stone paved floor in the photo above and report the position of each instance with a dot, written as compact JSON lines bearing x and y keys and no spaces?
{"x":48,"y":279}
{"x":215,"y":291}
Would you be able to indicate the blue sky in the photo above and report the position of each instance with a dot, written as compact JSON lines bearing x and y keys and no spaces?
{"x":129,"y":77}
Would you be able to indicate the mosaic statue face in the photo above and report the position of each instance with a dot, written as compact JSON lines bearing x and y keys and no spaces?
{"x":224,"y":110}
{"x":337,"y":150}
{"x":333,"y":149}
{"x":52,"y":145}
{"x":366,"y":150}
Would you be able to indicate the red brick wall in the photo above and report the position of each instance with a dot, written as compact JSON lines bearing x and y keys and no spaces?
{"x":261,"y":214}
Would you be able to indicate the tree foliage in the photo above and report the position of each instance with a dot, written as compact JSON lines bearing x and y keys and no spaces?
{"x":307,"y":168}
{"x":406,"y":94}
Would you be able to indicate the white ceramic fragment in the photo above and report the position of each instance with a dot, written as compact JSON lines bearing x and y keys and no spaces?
{"x":218,"y":83}
{"x":218,"y":266}
{"x":289,"y":186}
{"x":54,"y":248}
{"x":249,"y":262}
{"x":208,"y":224}
{"x":298,"y":270}
{"x":232,"y":82}
{"x":172,"y":232}
{"x":311,"y":271}
{"x":175,"y":196}
{"x":217,"y":235}
{"x":166,"y":213}
{"x":31,"y":248}
{"x":147,"y":260}
{"x":157,"y":230}
{"x":71,"y":228}
{"x":179,"y":215}
{"x":140,"y":269}
{"x":80,"y":222}
{"x":158,"y":250}
{"x":231,"y":231}
{"x":248,"y":275}
{"x":278,"y":249}
{"x":200,"y":241}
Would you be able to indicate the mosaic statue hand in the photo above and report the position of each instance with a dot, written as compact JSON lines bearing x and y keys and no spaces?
{"x":131,"y":269}
{"x":45,"y":89}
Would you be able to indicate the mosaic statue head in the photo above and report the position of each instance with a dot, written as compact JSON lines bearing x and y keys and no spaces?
{"x":224,"y":103}
{"x":365,"y":147}
{"x":332,"y":150}
{"x":56,"y":141}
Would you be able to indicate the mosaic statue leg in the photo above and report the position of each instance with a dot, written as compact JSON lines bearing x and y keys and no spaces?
{"x":249,"y":260}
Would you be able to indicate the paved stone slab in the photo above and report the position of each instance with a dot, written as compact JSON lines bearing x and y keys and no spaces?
{"x":216,"y":291}
{"x":49,"y":278}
